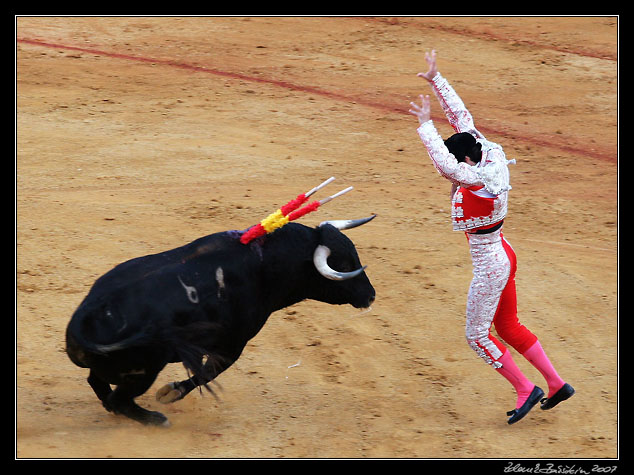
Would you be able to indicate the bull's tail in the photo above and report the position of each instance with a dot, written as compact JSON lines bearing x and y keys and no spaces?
{"x":95,"y":317}
{"x":195,"y":344}
{"x":81,"y":350}
{"x":101,"y":349}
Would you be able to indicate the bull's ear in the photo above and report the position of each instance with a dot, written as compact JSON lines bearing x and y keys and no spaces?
{"x":343,"y":224}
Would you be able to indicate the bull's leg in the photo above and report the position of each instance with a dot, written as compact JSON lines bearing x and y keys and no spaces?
{"x":121,"y":400}
{"x":176,"y":391}
{"x":100,"y":387}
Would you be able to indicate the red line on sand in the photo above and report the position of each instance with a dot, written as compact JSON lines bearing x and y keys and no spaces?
{"x":582,"y":151}
{"x":214,"y":71}
{"x":489,"y":35}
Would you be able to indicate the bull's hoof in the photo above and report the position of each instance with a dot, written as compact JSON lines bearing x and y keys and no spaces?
{"x":133,"y":411}
{"x":169,"y":393}
{"x":155,"y":418}
{"x":149,"y":418}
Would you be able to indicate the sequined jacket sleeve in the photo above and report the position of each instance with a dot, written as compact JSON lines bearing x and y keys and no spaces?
{"x":492,"y":171}
{"x":445,"y":162}
{"x":453,"y":107}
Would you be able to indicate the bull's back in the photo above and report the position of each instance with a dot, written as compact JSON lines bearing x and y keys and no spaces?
{"x":136,"y":302}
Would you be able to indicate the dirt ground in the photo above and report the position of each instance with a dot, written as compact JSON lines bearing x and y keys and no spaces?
{"x":137,"y":135}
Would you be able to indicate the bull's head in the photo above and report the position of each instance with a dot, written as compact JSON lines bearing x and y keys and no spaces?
{"x":333,"y":255}
{"x":323,"y":251}
{"x":336,"y":259}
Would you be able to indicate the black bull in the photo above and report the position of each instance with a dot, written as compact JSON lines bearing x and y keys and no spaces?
{"x":200,"y":304}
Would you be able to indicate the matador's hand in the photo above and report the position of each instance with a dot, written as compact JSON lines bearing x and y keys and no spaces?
{"x":433,"y":68}
{"x":423,"y":112}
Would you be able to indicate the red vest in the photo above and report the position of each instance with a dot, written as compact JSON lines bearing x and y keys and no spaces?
{"x":471,"y":211}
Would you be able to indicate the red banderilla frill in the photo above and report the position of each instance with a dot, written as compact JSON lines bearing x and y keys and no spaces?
{"x":289,"y":212}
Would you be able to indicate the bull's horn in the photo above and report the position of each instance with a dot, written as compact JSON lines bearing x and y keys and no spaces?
{"x":320,"y":259}
{"x":343,"y":224}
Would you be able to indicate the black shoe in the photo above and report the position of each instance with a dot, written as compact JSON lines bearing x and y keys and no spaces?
{"x":564,"y":393}
{"x":518,"y":414}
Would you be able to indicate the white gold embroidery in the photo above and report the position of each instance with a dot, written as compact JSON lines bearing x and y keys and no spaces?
{"x":500,"y":207}
{"x":491,"y":270}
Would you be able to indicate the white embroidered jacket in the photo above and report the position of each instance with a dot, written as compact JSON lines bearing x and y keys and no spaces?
{"x":488,"y":179}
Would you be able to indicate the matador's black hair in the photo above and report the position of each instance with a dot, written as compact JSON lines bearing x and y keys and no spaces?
{"x":464,"y":144}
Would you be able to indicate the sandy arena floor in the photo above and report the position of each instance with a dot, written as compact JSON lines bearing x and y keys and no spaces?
{"x":137,"y":135}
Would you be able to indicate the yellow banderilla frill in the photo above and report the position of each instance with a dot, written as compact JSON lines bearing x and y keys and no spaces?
{"x":274,"y":221}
